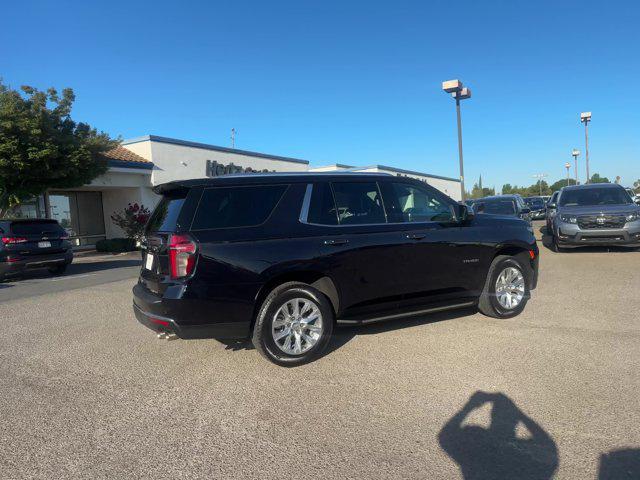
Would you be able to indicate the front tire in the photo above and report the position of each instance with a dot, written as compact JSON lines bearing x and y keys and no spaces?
{"x":58,"y":270}
{"x":506,"y":290}
{"x":555,"y":245}
{"x":294,"y":325}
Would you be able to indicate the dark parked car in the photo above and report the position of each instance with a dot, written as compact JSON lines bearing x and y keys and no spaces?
{"x":551,"y":210}
{"x":282,"y":258}
{"x":32,"y":243}
{"x":538,"y":207}
{"x":595,"y":214}
{"x":508,"y":205}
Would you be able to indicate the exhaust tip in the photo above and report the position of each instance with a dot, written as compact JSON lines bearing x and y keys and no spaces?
{"x":162,"y":335}
{"x":171,"y":336}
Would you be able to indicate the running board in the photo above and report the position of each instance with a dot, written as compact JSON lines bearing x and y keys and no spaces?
{"x":405,"y":314}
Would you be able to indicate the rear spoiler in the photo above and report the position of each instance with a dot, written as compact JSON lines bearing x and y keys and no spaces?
{"x":176,"y":187}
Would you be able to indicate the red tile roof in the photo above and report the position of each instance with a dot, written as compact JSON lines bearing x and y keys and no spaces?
{"x":124,"y":155}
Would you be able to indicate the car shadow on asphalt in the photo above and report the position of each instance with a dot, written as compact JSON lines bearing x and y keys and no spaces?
{"x":511,"y":445}
{"x":620,"y":464}
{"x":74,"y":269}
{"x":343,"y":334}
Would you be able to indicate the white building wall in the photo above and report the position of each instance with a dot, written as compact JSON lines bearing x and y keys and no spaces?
{"x":448,"y":186}
{"x":181,"y":162}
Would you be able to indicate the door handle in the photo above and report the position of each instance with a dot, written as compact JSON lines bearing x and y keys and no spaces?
{"x":416,"y":236}
{"x":336,"y":241}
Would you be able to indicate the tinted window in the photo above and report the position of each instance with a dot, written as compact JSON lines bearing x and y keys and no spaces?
{"x":36,"y":228}
{"x":165,"y":215}
{"x":496,"y":207}
{"x":322,"y":209}
{"x":230,"y":207}
{"x":535,"y":203}
{"x":594,"y":196}
{"x":414,"y":204}
{"x":358,"y":203}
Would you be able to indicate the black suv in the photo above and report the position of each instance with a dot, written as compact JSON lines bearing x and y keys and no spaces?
{"x":32,"y":243}
{"x":282,"y":258}
{"x":509,"y":205}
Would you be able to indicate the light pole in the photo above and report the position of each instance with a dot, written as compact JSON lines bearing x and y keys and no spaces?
{"x":567,"y":166}
{"x":540,"y":176}
{"x":458,"y":92}
{"x":575,"y":154}
{"x":585,"y":117}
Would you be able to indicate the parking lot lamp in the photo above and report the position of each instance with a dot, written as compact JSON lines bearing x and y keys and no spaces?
{"x":458,"y":92}
{"x":585,"y":117}
{"x":567,"y":166}
{"x":575,"y":154}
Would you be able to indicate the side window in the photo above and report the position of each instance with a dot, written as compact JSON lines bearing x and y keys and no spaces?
{"x":322,"y":208}
{"x":229,"y":207}
{"x":415,"y":204}
{"x":358,"y":203}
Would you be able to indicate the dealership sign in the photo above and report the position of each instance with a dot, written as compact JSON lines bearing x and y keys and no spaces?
{"x":215,"y":169}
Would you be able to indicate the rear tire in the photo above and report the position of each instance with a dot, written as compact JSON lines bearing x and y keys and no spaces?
{"x":502,"y":296}
{"x":294,"y":325}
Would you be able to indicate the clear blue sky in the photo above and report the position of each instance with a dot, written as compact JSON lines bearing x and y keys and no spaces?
{"x":349,"y":82}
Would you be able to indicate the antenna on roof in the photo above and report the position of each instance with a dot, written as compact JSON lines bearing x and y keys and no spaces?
{"x":233,"y":138}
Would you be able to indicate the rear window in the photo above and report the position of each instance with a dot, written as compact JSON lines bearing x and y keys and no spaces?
{"x":37,"y":228}
{"x":165,"y":215}
{"x":233,"y":207}
{"x":534,"y":202}
{"x":496,"y":207}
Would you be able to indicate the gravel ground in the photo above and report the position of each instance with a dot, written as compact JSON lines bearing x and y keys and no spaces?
{"x":86,"y":392}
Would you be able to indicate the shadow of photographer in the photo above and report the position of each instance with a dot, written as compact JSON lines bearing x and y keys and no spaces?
{"x":512,"y":446}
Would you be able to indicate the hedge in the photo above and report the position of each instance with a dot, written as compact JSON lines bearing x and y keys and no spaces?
{"x":116,"y":245}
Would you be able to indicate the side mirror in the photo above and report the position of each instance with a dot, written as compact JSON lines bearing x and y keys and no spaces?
{"x":465,"y":213}
{"x":552,"y":206}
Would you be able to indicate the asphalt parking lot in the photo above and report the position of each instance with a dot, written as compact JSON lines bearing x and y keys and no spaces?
{"x":86,"y":392}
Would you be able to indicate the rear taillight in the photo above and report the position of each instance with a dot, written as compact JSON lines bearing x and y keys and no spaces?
{"x":182,"y":255}
{"x":12,"y":240}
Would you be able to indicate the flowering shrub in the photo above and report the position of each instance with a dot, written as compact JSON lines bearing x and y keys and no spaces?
{"x":132,"y":220}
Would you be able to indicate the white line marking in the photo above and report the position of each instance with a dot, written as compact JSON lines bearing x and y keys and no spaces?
{"x":57,"y":279}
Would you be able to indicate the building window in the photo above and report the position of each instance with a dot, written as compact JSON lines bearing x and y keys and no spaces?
{"x":80,"y":214}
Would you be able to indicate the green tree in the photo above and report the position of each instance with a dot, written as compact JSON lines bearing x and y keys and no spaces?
{"x":561,"y":183}
{"x":478,"y":192}
{"x":41,"y":147}
{"x":596,"y":178}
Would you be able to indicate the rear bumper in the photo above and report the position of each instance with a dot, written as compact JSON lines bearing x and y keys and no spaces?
{"x":569,"y":235}
{"x":35,"y":261}
{"x":154,"y":312}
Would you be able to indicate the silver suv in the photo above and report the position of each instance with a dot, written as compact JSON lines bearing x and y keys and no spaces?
{"x":595,"y":214}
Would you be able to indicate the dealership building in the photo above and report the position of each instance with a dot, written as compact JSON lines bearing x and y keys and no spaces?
{"x":139,"y":164}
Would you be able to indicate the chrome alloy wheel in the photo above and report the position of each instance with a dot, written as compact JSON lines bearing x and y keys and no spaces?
{"x":510,"y":288}
{"x":297,"y":326}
